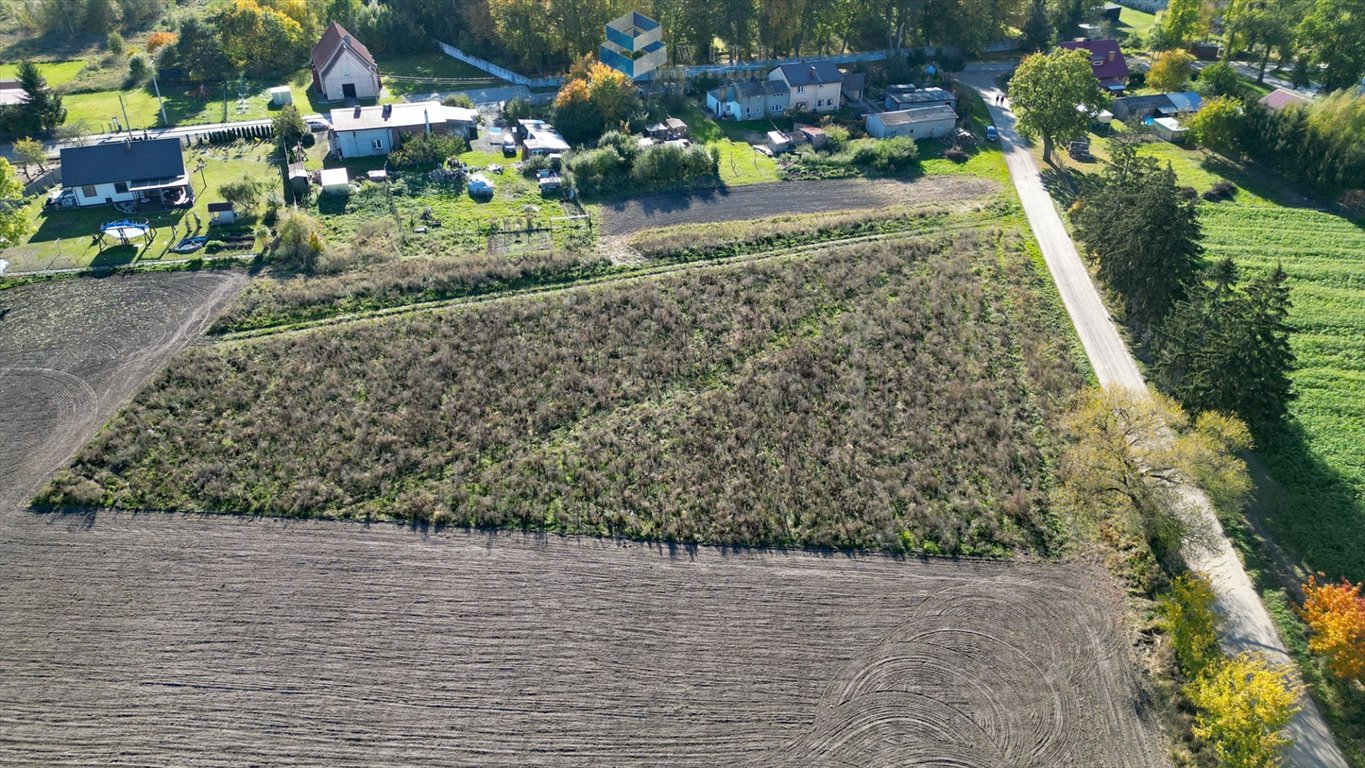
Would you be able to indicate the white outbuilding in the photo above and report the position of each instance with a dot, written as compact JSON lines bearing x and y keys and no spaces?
{"x":335,"y":181}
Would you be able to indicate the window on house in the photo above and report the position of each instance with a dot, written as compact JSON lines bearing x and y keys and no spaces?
{"x":800,"y":89}
{"x":377,"y":144}
{"x":777,"y":107}
{"x":88,"y":190}
{"x":121,"y":187}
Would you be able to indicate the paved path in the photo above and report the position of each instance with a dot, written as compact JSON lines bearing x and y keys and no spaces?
{"x":1246,"y":625}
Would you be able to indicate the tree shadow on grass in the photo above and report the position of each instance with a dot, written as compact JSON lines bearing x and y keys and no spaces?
{"x":1066,"y":185}
{"x":1308,"y":507}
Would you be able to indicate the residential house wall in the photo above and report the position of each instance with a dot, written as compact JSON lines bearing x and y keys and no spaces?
{"x":98,"y":194}
{"x":819,"y":97}
{"x":349,"y":70}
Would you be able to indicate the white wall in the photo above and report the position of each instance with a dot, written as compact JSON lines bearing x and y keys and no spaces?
{"x":362,"y":143}
{"x":349,"y":69}
{"x":103,"y":192}
{"x":923,"y":130}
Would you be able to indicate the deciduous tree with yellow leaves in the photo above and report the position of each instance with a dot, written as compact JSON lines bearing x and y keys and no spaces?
{"x":1244,"y":705}
{"x":1336,"y":615}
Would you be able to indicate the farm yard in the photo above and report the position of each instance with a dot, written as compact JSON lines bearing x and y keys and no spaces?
{"x":673,"y":371}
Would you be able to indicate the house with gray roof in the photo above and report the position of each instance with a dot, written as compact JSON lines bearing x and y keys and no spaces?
{"x":814,"y":86}
{"x":749,"y":100}
{"x":151,"y":171}
{"x":377,"y":130}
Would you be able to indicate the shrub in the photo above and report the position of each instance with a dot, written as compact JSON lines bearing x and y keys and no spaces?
{"x":1222,"y":190}
{"x":138,"y":68}
{"x":885,"y":155}
{"x":669,"y":163}
{"x":516,"y":109}
{"x":158,"y":40}
{"x":458,"y":100}
{"x":1220,"y":79}
{"x":836,"y":137}
{"x":955,"y":154}
{"x":1336,"y":615}
{"x":1243,"y":706}
{"x":427,"y":149}
{"x":244,"y":194}
{"x":1189,"y":620}
{"x":114,"y":42}
{"x":298,"y":242}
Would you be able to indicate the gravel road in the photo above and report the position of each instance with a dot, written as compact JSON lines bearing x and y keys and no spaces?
{"x":1246,"y":625}
{"x":756,"y":201}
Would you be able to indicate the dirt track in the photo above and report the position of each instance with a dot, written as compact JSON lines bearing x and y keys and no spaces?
{"x":757,"y":201}
{"x":168,"y":640}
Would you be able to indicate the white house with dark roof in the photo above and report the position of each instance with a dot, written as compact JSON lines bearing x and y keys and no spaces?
{"x":749,"y":100}
{"x":125,"y":171}
{"x":369,"y":131}
{"x":814,"y":86}
{"x":343,"y":67}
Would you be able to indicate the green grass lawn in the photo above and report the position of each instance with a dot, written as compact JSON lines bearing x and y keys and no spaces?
{"x":57,"y":73}
{"x":62,"y":238}
{"x":1133,"y":25}
{"x":431,"y":65}
{"x":189,"y":105}
{"x":739,"y":163}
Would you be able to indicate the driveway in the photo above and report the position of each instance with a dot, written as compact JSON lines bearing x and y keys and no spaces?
{"x":1246,"y":625}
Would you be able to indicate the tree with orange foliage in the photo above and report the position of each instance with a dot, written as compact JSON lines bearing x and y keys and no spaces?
{"x":158,"y":40}
{"x":1336,"y":615}
{"x":594,"y":98}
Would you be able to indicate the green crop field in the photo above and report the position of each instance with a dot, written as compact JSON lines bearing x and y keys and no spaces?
{"x":1319,"y":462}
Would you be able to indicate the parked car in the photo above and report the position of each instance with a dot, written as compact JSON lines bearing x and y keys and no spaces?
{"x":992,"y":134}
{"x":762,"y":150}
{"x":509,"y":144}
{"x":316,"y":124}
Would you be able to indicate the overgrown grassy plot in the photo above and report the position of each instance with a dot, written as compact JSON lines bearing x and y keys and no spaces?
{"x":888,"y":395}
{"x":1320,"y":460}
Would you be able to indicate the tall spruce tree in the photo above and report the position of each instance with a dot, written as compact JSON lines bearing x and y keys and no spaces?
{"x":1269,"y":359}
{"x":1225,"y":348}
{"x":1144,"y":231}
{"x":42,"y":110}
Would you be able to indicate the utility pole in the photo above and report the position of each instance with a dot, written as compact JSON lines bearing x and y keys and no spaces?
{"x":164,"y":122}
{"x":128,"y":126}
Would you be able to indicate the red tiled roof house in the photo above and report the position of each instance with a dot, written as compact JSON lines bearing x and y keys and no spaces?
{"x":1106,"y":62}
{"x":343,"y":67}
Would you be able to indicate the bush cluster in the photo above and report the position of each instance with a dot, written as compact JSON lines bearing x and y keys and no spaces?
{"x":880,"y":396}
{"x":619,"y":164}
{"x":425,"y":149}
